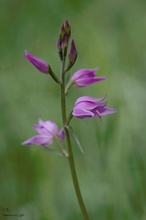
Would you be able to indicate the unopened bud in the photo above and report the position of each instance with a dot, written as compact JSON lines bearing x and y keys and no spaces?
{"x":67,"y":28}
{"x":72,"y":56}
{"x":73,"y":52}
{"x":64,"y":36}
{"x":62,"y":32}
{"x":40,"y":64}
{"x":59,"y":46}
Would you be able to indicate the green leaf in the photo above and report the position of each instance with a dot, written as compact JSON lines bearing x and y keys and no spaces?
{"x":51,"y":151}
{"x":75,"y":138}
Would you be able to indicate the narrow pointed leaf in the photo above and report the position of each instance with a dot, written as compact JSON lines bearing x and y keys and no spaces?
{"x":75,"y":138}
{"x":51,"y":151}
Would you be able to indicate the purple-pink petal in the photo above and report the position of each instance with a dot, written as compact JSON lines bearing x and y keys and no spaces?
{"x":39,"y":140}
{"x":106,"y":111}
{"x":51,"y":127}
{"x":88,"y":81}
{"x":42,"y":130}
{"x":82,"y":113}
{"x":101,"y":105}
{"x":89,"y":99}
{"x":83,"y":73}
{"x":86,"y":105}
{"x":85,"y":77}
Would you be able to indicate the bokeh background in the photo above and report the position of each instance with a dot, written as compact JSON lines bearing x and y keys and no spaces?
{"x":110,"y":35}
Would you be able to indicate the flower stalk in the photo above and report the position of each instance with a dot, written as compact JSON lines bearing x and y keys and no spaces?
{"x":68,"y":141}
{"x":84,"y":107}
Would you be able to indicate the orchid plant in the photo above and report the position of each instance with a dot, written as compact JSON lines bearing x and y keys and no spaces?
{"x":84,"y":107}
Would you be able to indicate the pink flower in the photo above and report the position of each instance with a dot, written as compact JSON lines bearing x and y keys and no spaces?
{"x":85,"y":77}
{"x":47,"y":130}
{"x":40,"y":64}
{"x":87,"y":107}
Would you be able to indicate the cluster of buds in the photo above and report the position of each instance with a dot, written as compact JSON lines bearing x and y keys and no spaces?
{"x":85,"y":107}
{"x":62,"y":45}
{"x":63,"y":40}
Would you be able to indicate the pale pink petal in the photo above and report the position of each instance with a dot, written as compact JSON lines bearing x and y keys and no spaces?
{"x":82,"y":73}
{"x":82,"y":113}
{"x":51,"y":127}
{"x":42,"y":130}
{"x":106,"y":111}
{"x":86,"y":105}
{"x":88,"y":81}
{"x":39,"y":140}
{"x":89,"y":99}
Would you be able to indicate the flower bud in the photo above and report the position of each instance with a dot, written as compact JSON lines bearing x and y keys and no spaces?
{"x":65,"y":45}
{"x":59,"y":46}
{"x":73,"y":52}
{"x":40,"y":64}
{"x":72,"y":56}
{"x":62,"y":32}
{"x":67,"y":28}
{"x":64,"y":36}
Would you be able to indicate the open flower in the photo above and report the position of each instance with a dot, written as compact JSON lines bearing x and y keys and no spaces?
{"x":47,"y":130}
{"x":85,"y":77}
{"x":40,"y":64}
{"x":86,"y":107}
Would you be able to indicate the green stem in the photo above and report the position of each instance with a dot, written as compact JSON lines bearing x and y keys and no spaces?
{"x":70,"y":157}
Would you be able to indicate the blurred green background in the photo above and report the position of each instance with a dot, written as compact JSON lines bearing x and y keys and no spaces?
{"x":110,"y":35}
